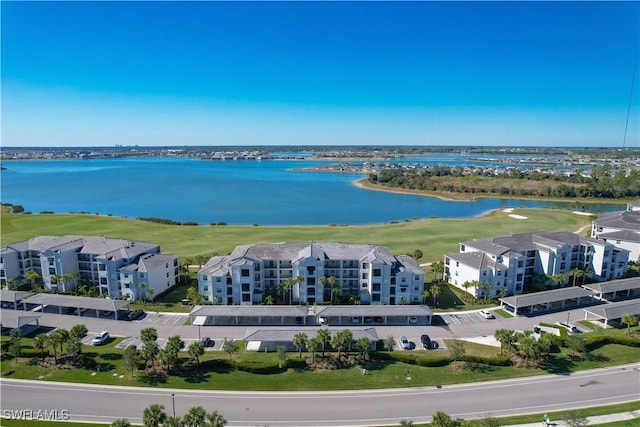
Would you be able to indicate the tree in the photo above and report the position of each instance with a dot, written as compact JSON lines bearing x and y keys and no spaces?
{"x":329,"y":283}
{"x":300,"y":340}
{"x":129,"y":358}
{"x":335,"y":288}
{"x":505,"y":337}
{"x":406,"y":423}
{"x":153,"y":415}
{"x":485,"y":287}
{"x":32,"y":276}
{"x":78,"y":331}
{"x":282,"y":356}
{"x":314,"y":344}
{"x":629,"y":320}
{"x":468,"y":284}
{"x":287,"y":287}
{"x":438,"y":271}
{"x":172,"y":421}
{"x":143,"y":287}
{"x":15,"y":345}
{"x":324,"y":336}
{"x":389,"y":342}
{"x":150,"y":348}
{"x":172,"y":349}
{"x":435,"y":292}
{"x":441,"y":419}
{"x":364,"y":345}
{"x":150,"y":292}
{"x":577,"y":346}
{"x":195,"y":351}
{"x":417,"y":254}
{"x":526,"y":346}
{"x":573,"y":419}
{"x":196,"y":416}
{"x":201,"y":260}
{"x":194,"y":297}
{"x":456,"y":350}
{"x":121,"y":422}
{"x":215,"y":419}
{"x":576,"y":273}
{"x":425,"y":295}
{"x":40,"y":343}
{"x":341,"y":340}
{"x":74,"y":347}
{"x":230,"y":347}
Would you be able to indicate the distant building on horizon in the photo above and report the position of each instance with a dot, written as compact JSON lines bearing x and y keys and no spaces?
{"x":509,"y":262}
{"x":262,"y":273}
{"x":116,"y":267}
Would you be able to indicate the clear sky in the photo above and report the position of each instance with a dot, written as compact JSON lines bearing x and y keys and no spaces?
{"x":319,"y":73}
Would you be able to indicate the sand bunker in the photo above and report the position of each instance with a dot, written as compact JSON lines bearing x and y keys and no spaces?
{"x":518,"y":217}
{"x":583,"y":213}
{"x":508,"y":210}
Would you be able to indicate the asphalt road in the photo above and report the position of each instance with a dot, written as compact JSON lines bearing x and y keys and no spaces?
{"x":357,"y":408}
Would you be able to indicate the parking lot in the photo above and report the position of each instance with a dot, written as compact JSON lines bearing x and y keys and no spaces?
{"x":464,"y":318}
{"x":169,"y":319}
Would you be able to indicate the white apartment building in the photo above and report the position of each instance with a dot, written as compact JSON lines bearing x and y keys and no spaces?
{"x":368,"y":273}
{"x":621,"y":229}
{"x":65,"y":261}
{"x":506,"y":263}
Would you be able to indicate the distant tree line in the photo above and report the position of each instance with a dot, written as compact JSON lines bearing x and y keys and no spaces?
{"x":602,"y":182}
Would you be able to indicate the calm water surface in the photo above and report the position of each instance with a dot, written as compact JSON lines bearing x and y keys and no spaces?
{"x":235,"y":192}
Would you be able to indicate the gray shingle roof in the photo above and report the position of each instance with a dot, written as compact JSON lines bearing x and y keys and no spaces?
{"x":614,"y":285}
{"x":615,"y":310}
{"x":76,"y":301}
{"x":373,"y":310}
{"x":626,"y":235}
{"x":624,"y":220}
{"x":249,"y":310}
{"x":544,"y":297}
{"x":286,"y":335}
{"x":13,"y":296}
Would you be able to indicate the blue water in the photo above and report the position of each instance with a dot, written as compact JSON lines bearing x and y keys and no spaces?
{"x":234,"y":192}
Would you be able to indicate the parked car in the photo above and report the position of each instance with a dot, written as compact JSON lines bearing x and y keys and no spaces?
{"x":207,"y":342}
{"x":101,"y":338}
{"x":404,"y":343}
{"x":135,"y":314}
{"x":487,"y":314}
{"x":185,"y":301}
{"x":428,"y":343}
{"x":106,"y":313}
{"x":568,"y":326}
{"x":299,"y":320}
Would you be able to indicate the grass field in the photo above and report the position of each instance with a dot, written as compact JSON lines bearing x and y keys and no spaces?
{"x":434,"y":237}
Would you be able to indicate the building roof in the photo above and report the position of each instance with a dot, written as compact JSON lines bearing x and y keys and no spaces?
{"x":286,"y":335}
{"x":150,"y":262}
{"x":77,"y":302}
{"x":623,"y":220}
{"x":476,"y":260}
{"x":13,"y":296}
{"x":614,"y":285}
{"x":544,"y":297}
{"x":249,"y":310}
{"x":626,"y":235}
{"x":373,"y":310}
{"x":615,"y":310}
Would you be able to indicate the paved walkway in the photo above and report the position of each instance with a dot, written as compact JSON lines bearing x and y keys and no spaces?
{"x":596,"y":419}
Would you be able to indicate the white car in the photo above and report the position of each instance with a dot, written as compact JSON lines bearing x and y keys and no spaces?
{"x":487,"y":314}
{"x":101,"y":338}
{"x":404,"y":343}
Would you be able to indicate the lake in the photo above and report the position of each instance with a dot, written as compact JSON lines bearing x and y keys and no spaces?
{"x":237,"y":192}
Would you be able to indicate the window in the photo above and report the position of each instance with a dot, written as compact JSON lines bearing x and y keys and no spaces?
{"x":377,"y":272}
{"x":205,"y":288}
{"x":204,"y":277}
{"x":166,"y":265}
{"x":364,"y":284}
{"x":167,"y":274}
{"x":376,"y":287}
{"x":218,"y":279}
{"x":245,"y":272}
{"x":416,"y":277}
{"x":457,"y":264}
{"x":403,"y":280}
{"x":246,"y":287}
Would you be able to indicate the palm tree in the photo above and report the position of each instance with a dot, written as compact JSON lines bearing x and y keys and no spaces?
{"x":153,"y":415}
{"x":629,"y":320}
{"x":364,"y":345}
{"x":172,"y":421}
{"x":121,"y":422}
{"x":40,"y":343}
{"x":438,"y":270}
{"x":215,"y":419}
{"x":196,"y":416}
{"x":324,"y":336}
{"x":335,"y":288}
{"x":485,"y":287}
{"x":196,"y":350}
{"x":505,"y":337}
{"x":142,"y":286}
{"x":201,"y":260}
{"x":313,"y":344}
{"x":150,"y":292}
{"x":32,"y":276}
{"x":287,"y":287}
{"x":425,"y":295}
{"x":526,"y":346}
{"x":300,"y":340}
{"x":576,"y":273}
{"x":341,"y":340}
{"x":435,"y":292}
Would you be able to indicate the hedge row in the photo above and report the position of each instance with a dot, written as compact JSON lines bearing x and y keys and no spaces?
{"x":439,"y":360}
{"x":593,"y":343}
{"x":262,"y":368}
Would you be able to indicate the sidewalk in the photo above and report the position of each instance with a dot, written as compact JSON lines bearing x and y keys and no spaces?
{"x":596,"y":419}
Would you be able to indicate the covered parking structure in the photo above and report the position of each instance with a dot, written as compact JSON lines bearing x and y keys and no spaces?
{"x":381,"y":314}
{"x":546,"y":301}
{"x":612,"y":312}
{"x":615,"y":289}
{"x":12,"y":299}
{"x":24,"y":323}
{"x":227,"y":315}
{"x":77,"y":303}
{"x":270,"y":339}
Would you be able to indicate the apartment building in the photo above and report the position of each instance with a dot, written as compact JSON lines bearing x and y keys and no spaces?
{"x":65,"y":261}
{"x":366,"y":273}
{"x":621,"y":229}
{"x":505,"y":264}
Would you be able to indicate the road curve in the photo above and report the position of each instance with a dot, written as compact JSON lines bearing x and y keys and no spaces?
{"x":88,"y":402}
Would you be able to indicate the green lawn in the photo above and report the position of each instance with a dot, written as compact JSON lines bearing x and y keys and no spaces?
{"x":433,"y":237}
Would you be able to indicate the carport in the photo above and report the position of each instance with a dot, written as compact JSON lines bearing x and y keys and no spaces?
{"x":77,"y":303}
{"x":381,"y":314}
{"x":613,"y":311}
{"x":13,"y":297}
{"x":615,"y":289}
{"x":270,"y":339}
{"x":545,"y":301}
{"x":227,"y":315}
{"x":23,"y":322}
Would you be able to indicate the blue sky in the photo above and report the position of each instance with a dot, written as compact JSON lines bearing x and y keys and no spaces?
{"x":319,"y":73}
